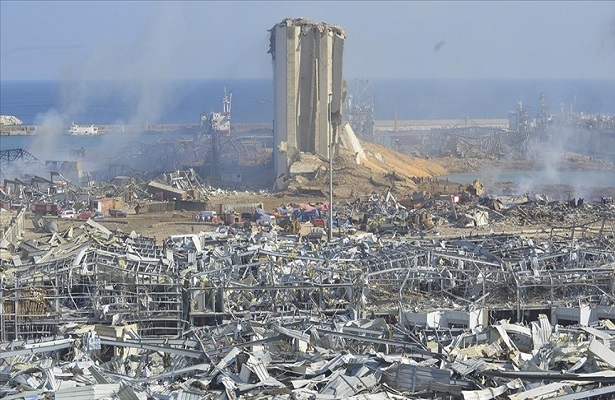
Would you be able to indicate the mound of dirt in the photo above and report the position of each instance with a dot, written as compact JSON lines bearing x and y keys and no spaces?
{"x":383,"y":159}
{"x":381,"y":169}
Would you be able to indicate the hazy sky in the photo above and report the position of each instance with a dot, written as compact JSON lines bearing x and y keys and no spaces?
{"x":229,"y":40}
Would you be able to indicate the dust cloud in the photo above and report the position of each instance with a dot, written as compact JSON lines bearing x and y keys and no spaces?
{"x":135,"y":84}
{"x":50,"y":127}
{"x":561,"y":162}
{"x":44,"y":146}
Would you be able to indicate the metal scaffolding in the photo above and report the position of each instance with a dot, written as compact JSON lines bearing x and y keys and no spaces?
{"x":360,"y":108}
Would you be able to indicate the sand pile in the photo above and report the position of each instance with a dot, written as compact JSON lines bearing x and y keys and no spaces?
{"x":379,"y":169}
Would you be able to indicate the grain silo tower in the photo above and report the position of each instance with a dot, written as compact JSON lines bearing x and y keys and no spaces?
{"x":307,"y":70}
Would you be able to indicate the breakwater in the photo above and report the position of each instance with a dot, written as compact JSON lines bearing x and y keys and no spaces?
{"x":27,"y":130}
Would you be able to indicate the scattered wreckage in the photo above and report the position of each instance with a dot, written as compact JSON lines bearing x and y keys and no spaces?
{"x":95,"y":313}
{"x":392,"y":308}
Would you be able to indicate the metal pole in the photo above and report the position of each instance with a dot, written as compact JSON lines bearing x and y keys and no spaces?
{"x":2,"y":328}
{"x":330,"y":230}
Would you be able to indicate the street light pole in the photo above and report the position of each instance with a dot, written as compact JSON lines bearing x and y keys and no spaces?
{"x":330,"y":230}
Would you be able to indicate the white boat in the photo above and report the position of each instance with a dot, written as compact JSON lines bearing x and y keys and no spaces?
{"x":78,"y":130}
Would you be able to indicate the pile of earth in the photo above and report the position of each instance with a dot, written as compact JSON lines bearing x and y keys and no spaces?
{"x":380,"y":170}
{"x":385,"y":169}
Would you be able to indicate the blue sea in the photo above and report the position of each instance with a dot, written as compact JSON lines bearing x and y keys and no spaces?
{"x":182,"y":102}
{"x":58,"y":103}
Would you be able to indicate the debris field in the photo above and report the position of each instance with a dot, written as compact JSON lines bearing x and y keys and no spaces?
{"x":395,"y":306}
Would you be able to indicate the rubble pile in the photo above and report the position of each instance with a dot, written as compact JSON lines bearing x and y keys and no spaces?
{"x":196,"y":189}
{"x":60,"y":193}
{"x":424,"y":296}
{"x":90,"y":312}
{"x":303,"y":358}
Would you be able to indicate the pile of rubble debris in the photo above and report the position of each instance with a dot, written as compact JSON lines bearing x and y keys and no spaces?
{"x":94,"y":313}
{"x":181,"y":189}
{"x":300,"y":357}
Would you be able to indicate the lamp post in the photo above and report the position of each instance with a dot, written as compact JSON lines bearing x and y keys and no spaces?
{"x":330,"y":230}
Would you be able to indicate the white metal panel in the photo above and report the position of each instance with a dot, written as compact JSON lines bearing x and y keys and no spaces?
{"x":92,"y":392}
{"x":415,"y":378}
{"x":602,"y":352}
{"x":343,"y":386}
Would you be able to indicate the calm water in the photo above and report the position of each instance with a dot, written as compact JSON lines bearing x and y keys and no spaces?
{"x":99,"y":102}
{"x":252,"y":101}
{"x":590,"y":185}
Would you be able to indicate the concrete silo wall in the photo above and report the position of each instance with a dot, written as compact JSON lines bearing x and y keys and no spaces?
{"x":307,"y":63}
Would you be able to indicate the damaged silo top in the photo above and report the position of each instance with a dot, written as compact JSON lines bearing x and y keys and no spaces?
{"x":307,"y":23}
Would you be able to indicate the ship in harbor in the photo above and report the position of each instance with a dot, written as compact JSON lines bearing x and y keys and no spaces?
{"x":81,"y":130}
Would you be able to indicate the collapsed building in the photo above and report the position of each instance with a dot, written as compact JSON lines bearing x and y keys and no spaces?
{"x":592,"y":135}
{"x":265,"y":314}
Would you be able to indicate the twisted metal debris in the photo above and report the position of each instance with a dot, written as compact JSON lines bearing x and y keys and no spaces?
{"x":91,"y":311}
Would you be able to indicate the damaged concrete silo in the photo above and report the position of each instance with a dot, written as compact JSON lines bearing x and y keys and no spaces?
{"x":307,"y":65}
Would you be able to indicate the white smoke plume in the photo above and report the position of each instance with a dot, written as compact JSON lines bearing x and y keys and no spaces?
{"x":564,"y":163}
{"x":49,"y":129}
{"x":137,"y":73}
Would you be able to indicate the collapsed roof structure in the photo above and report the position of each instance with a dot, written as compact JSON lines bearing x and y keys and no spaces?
{"x":267,"y":315}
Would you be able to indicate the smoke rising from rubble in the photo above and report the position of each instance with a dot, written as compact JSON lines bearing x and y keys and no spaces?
{"x":140,"y":70}
{"x":546,"y":156}
{"x":136,"y":74}
{"x":553,"y":160}
{"x":51,"y":126}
